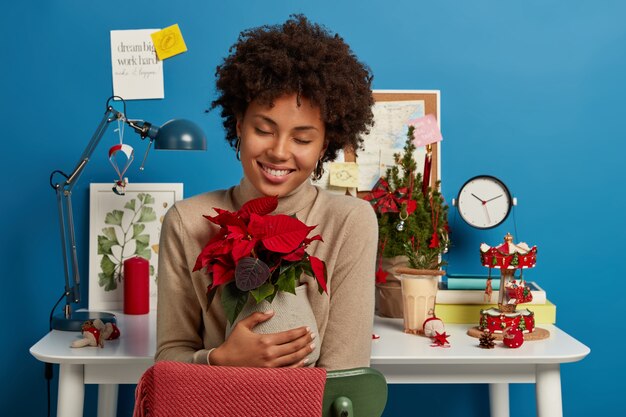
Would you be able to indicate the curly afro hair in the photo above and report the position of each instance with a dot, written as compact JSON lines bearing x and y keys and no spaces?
{"x":303,"y":58}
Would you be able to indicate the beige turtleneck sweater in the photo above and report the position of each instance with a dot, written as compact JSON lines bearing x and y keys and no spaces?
{"x":187,"y":327}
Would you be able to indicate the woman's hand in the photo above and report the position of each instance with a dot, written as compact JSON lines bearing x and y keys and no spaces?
{"x":246,"y":348}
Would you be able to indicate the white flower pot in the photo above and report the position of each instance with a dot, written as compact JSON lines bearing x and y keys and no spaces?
{"x":290,"y":311}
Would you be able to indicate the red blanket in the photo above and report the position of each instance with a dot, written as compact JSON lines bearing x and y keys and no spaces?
{"x":189,"y":390}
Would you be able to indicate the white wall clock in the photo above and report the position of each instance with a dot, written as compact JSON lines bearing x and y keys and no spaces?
{"x":484,"y":202}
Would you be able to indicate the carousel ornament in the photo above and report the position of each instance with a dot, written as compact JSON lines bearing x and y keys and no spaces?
{"x":509,"y":258}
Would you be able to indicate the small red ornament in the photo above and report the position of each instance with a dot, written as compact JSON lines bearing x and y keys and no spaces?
{"x":441,"y":339}
{"x":513,"y":337}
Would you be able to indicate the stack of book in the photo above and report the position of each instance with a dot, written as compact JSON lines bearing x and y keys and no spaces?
{"x":460,"y":299}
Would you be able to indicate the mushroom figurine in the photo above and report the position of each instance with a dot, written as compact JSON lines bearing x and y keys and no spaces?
{"x":91,"y":336}
{"x":432,"y":326}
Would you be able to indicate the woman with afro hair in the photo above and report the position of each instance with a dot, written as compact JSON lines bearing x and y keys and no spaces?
{"x":291,"y":96}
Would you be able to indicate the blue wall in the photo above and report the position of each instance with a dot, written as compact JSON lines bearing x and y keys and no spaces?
{"x":532,"y":92}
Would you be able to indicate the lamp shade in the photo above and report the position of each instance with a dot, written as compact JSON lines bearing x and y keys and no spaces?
{"x":178,"y":134}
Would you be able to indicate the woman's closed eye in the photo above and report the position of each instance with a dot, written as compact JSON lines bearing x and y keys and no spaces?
{"x":301,"y":141}
{"x":262,"y":132}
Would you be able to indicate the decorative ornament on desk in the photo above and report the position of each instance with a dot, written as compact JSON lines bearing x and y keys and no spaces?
{"x":513,"y":337}
{"x":487,"y":340}
{"x":95,"y":333}
{"x":440,"y":340}
{"x":508,"y":258}
{"x":412,"y":221}
{"x":432,"y":325}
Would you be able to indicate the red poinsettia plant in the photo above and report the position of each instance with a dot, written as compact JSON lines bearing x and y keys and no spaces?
{"x":256,"y":254}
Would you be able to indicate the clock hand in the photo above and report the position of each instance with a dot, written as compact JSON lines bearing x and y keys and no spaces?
{"x":478,"y":198}
{"x":487,"y":214}
{"x":498,"y":196}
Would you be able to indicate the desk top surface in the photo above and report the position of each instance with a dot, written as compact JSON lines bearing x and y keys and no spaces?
{"x":138,"y":344}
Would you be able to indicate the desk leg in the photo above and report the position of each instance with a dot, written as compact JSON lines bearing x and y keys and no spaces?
{"x":107,"y":400}
{"x":71,"y":396}
{"x":548,"y":390}
{"x":499,"y":400}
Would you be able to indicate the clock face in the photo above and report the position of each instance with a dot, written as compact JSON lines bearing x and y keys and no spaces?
{"x":484,"y":202}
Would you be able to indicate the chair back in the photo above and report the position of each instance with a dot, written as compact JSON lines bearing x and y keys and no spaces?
{"x":358,"y":392}
{"x":191,"y":390}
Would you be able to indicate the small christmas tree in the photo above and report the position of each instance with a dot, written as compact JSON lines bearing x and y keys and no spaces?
{"x":412,"y":218}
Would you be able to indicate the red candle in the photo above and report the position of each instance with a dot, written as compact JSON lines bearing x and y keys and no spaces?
{"x":136,"y":286}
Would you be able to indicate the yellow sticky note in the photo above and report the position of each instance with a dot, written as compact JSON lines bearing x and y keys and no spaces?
{"x":344,"y":174}
{"x":168,"y":42}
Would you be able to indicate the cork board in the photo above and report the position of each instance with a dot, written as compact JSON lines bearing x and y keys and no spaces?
{"x":431,"y":100}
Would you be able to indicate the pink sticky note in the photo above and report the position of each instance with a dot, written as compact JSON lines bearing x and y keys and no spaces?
{"x":426,"y":130}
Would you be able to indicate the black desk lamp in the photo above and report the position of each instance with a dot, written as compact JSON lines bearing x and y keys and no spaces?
{"x":176,"y":134}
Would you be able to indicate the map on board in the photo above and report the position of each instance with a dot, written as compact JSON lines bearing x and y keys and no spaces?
{"x":386,"y":138}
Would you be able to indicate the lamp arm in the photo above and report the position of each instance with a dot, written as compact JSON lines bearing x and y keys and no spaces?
{"x":64,"y":192}
{"x":70,"y":295}
{"x":109,"y":116}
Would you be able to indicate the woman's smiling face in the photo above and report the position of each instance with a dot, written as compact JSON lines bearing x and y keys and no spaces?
{"x":280,"y":144}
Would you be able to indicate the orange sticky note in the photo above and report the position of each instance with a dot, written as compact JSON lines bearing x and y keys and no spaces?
{"x":168,"y":42}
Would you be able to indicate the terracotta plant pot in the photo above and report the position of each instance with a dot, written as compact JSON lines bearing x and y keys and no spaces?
{"x":419,"y":292}
{"x":290,"y":311}
{"x":389,"y":294}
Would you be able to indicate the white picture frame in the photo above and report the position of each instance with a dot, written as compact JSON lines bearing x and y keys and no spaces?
{"x":122,"y":226}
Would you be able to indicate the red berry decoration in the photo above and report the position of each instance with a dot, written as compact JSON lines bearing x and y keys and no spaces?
{"x":513,"y":337}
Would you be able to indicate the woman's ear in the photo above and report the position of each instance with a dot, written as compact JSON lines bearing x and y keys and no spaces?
{"x":238,"y":126}
{"x":323,"y":151}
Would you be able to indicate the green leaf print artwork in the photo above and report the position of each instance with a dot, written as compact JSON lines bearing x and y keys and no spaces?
{"x":124,"y":238}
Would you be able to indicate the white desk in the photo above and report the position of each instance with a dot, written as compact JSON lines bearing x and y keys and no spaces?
{"x":402,"y":358}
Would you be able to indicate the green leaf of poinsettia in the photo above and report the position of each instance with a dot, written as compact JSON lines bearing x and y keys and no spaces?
{"x":233,"y":301}
{"x":287,"y":281}
{"x":263,"y":292}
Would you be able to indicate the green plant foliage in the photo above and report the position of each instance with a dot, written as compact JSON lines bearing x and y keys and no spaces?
{"x":416,"y":238}
{"x":114,"y":241}
{"x":281,"y":279}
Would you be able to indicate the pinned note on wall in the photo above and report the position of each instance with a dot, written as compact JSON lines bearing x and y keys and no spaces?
{"x":169,"y":42}
{"x":137,"y":73}
{"x":344,"y":174}
{"x":426,"y":130}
